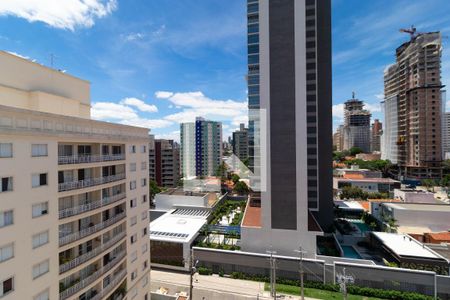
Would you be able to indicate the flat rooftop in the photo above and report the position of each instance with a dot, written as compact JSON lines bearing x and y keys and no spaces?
{"x":350,"y":205}
{"x":252,"y":216}
{"x":179,"y":225}
{"x":179,"y":191}
{"x":420,"y":207}
{"x":376,"y":180}
{"x":406,"y":246}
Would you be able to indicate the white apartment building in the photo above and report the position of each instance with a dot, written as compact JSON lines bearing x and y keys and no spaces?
{"x":73,"y":197}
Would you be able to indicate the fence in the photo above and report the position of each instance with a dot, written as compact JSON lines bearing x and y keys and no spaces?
{"x":373,"y":276}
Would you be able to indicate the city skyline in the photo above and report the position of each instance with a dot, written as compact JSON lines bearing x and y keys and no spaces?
{"x":130,"y":57}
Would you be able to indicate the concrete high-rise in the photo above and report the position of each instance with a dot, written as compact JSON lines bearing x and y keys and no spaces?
{"x":414,"y":84}
{"x":375,"y":136}
{"x":338,"y":138}
{"x":73,"y":209}
{"x":164,"y":162}
{"x":446,"y":135}
{"x":240,"y":143}
{"x":356,"y":130}
{"x":289,"y":84}
{"x":201,"y":148}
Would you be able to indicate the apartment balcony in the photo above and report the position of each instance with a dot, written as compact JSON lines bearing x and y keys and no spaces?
{"x":78,"y":286}
{"x":72,"y":237}
{"x":91,"y":254}
{"x":113,"y":284}
{"x":85,"y":159}
{"x":73,"y":185}
{"x":76,"y":210}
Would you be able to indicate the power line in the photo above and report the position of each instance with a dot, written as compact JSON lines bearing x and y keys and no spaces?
{"x":300,"y":252}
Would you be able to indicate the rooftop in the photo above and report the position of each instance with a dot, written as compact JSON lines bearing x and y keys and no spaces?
{"x":420,"y":207}
{"x":404,"y":245}
{"x":179,"y":191}
{"x":379,"y":180}
{"x":179,"y":225}
{"x":350,"y":205}
{"x":252,"y":216}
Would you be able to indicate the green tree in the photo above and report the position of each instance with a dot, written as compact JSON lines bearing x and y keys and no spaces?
{"x":429,"y":183}
{"x":222,"y":171}
{"x":235,"y":178}
{"x":355,"y":150}
{"x":241,"y":188}
{"x":352,"y":192}
{"x":154,"y":189}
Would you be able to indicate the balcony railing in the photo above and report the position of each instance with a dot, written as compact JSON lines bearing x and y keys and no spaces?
{"x":76,"y":210}
{"x":91,"y":278}
{"x":73,"y":185}
{"x":89,"y":255}
{"x":113,"y":284}
{"x":90,"y":230}
{"x":83,"y":159}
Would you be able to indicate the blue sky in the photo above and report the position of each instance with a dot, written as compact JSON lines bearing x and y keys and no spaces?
{"x":156,"y":63}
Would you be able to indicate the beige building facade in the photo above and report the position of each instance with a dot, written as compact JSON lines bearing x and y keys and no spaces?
{"x":74,"y":193}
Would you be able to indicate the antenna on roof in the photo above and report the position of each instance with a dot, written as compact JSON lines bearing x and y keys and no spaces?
{"x":353,"y":95}
{"x":52,"y":59}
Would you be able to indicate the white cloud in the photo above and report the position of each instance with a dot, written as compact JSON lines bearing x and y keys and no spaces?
{"x":133,"y":37}
{"x":373,"y":107}
{"x":63,"y":14}
{"x":195,"y":104}
{"x":139,"y":104}
{"x":114,"y":111}
{"x":338,"y":112}
{"x":147,"y":123}
{"x":173,"y":135}
{"x":123,"y":113}
{"x":163,"y":95}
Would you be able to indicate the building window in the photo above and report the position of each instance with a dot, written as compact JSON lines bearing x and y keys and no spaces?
{"x":144,"y":248}
{"x":133,"y":221}
{"x":38,"y":180}
{"x":42,"y":296}
{"x":7,"y":184}
{"x":143,"y":165}
{"x":145,"y":281}
{"x":40,"y":269}
{"x":144,"y":265}
{"x":133,"y":256}
{"x":40,"y":209}
{"x":143,"y":181}
{"x":6,"y":218}
{"x":134,"y":275}
{"x":133,"y":185}
{"x":132,"y":167}
{"x":133,"y":203}
{"x":6,"y":286}
{"x":144,"y":215}
{"x":6,"y":252}
{"x":144,"y":198}
{"x":5,"y":150}
{"x":132,"y":148}
{"x":133,"y":239}
{"x":40,"y":239}
{"x":143,"y":148}
{"x":144,"y":231}
{"x":39,"y":150}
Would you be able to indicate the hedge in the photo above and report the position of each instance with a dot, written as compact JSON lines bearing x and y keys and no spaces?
{"x":351,"y":289}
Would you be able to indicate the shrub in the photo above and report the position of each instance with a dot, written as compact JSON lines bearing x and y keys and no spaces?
{"x":204,"y":271}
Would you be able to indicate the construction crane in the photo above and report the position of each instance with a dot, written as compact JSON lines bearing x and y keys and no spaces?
{"x":412,"y":31}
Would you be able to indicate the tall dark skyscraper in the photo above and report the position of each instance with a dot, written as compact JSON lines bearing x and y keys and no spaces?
{"x":290,"y":138}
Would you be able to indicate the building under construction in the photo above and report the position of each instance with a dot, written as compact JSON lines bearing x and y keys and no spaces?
{"x":413,"y":85}
{"x":356,"y":130}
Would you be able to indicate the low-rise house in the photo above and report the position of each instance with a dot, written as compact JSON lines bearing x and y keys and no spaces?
{"x":414,"y":196}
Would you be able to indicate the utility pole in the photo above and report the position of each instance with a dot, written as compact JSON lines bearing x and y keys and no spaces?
{"x":273,"y":280}
{"x":300,"y":251}
{"x":192,"y":271}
